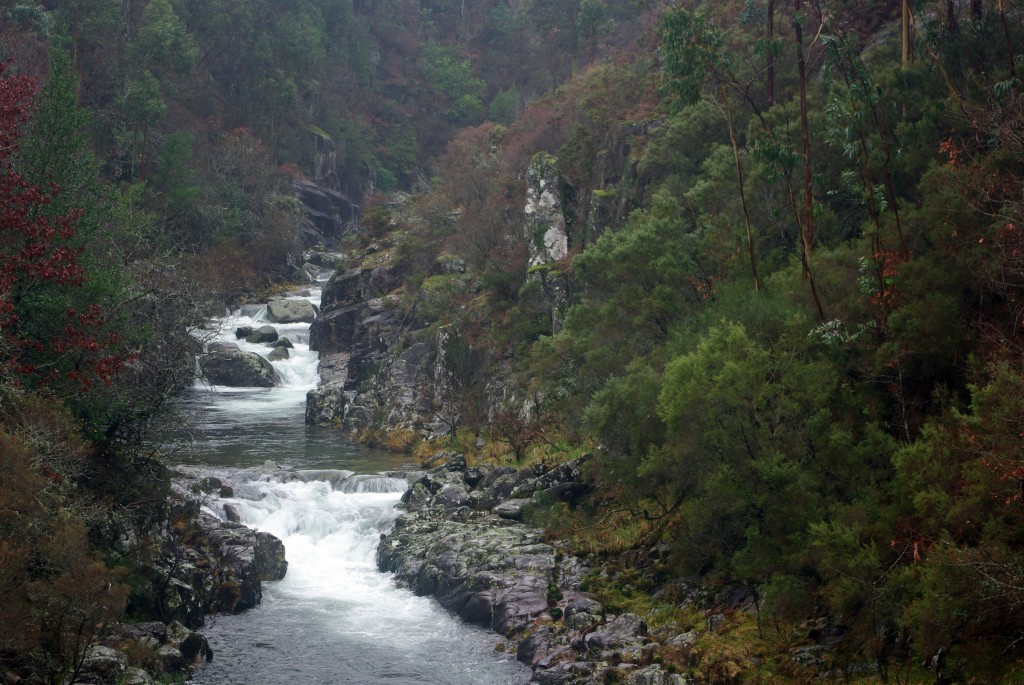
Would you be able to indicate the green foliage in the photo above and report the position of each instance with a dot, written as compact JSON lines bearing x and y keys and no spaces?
{"x":502,"y":109}
{"x":689,"y":49}
{"x":452,"y":78}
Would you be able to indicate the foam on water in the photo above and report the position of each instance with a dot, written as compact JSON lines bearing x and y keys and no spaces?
{"x":334,"y":619}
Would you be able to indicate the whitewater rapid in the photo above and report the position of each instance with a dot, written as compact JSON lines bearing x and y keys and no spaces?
{"x":334,"y":618}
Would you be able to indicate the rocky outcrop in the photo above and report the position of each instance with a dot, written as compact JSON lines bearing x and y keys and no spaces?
{"x":452,"y":543}
{"x":166,"y":651}
{"x":367,"y":360}
{"x":547,"y":235}
{"x":234,"y":368}
{"x":327,"y":214}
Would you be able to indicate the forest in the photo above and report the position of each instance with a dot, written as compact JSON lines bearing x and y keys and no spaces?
{"x":787,"y":320}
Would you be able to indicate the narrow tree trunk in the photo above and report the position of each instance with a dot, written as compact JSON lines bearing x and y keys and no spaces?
{"x":142,"y":154}
{"x":743,"y":195}
{"x":976,"y":10}
{"x":1009,"y":45}
{"x":770,"y":70}
{"x":807,"y":230}
{"x":907,"y":47}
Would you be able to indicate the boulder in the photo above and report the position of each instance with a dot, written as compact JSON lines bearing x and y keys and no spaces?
{"x":278,"y":354}
{"x":104,"y":664}
{"x":238,"y":369}
{"x":136,"y":676}
{"x":582,"y":612}
{"x":284,"y":342}
{"x":269,"y":559}
{"x":626,"y":633}
{"x":452,"y":496}
{"x":263,"y":334}
{"x":171,"y":659}
{"x":243,"y":332}
{"x":325,"y":405}
{"x":222,"y":346}
{"x":231,"y":513}
{"x":512,"y":509}
{"x":209,"y":484}
{"x":291,"y":311}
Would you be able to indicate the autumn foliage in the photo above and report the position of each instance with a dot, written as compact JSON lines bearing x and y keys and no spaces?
{"x":39,"y":261}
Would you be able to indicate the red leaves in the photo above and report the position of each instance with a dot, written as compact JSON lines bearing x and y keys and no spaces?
{"x":36,"y":252}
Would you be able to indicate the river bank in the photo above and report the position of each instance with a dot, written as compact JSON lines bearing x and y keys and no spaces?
{"x":462,"y":541}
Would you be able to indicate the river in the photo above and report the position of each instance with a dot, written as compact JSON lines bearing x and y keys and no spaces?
{"x":334,"y":618}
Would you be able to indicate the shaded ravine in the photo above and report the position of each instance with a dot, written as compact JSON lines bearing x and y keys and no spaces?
{"x":334,"y":618}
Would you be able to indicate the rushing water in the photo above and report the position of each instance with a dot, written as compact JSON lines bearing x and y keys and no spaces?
{"x":334,"y":618}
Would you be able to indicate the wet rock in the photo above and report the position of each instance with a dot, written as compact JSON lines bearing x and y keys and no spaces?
{"x":209,"y":484}
{"x":238,"y":369}
{"x":263,"y":334}
{"x":416,"y":497}
{"x":452,"y":496}
{"x":512,"y":509}
{"x":171,"y":659}
{"x":284,"y":341}
{"x":269,"y":558}
{"x":231,"y":512}
{"x":195,"y":649}
{"x":243,"y":332}
{"x":139,"y":632}
{"x":537,"y":646}
{"x":325,"y":405}
{"x":222,"y":346}
{"x":291,"y":311}
{"x":278,"y":354}
{"x":251,"y":311}
{"x":104,"y":664}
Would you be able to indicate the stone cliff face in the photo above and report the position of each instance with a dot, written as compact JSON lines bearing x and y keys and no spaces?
{"x":370,"y":368}
{"x":547,"y":235}
{"x":327,"y":214}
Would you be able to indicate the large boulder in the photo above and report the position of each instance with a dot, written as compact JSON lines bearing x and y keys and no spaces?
{"x":238,"y":369}
{"x":103,"y":664}
{"x":263,"y":334}
{"x":325,"y":406}
{"x":269,"y":560}
{"x":291,"y":311}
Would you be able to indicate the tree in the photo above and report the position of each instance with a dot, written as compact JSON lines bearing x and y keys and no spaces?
{"x":692,"y":50}
{"x":47,"y":335}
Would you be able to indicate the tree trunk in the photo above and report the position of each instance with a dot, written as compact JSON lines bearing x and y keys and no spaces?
{"x":807,"y":230}
{"x":976,"y":10}
{"x":907,"y":47}
{"x":743,"y":194}
{"x":1009,"y":45}
{"x":770,"y":67}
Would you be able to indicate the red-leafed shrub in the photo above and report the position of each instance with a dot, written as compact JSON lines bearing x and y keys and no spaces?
{"x":46,"y":335}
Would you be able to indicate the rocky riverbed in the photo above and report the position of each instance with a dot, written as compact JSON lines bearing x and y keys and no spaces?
{"x":461,"y":539}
